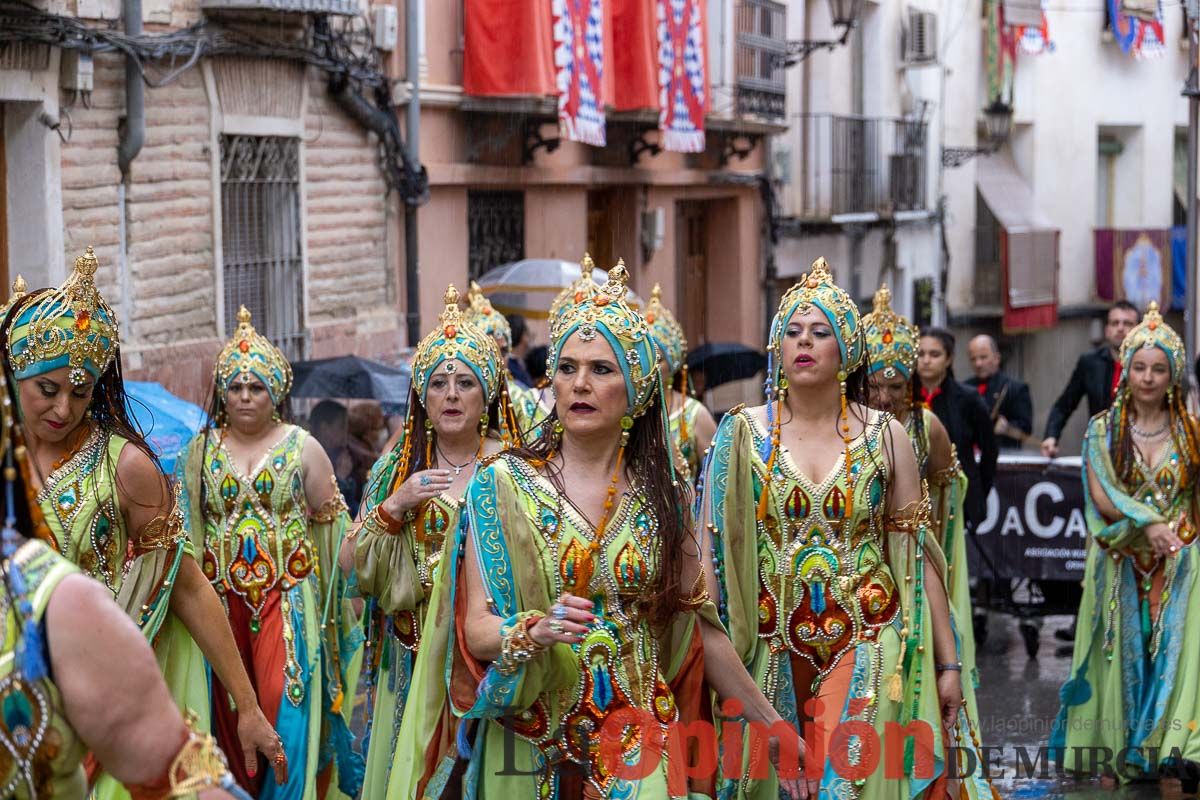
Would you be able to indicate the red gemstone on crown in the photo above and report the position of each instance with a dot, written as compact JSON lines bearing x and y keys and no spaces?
{"x":602,"y":300}
{"x":887,"y":337}
{"x":451,"y":331}
{"x":244,"y":346}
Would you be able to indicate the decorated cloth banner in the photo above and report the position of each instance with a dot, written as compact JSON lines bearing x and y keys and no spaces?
{"x":579,"y":69}
{"x":1135,"y":265}
{"x":1034,"y":40}
{"x":682,"y":75}
{"x":1138,"y":35}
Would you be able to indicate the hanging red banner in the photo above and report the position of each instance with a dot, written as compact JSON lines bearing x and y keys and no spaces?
{"x":579,"y":69}
{"x":682,"y":75}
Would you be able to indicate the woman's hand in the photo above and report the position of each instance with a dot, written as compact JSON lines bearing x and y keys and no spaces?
{"x":566,"y":621}
{"x":950,"y":696}
{"x":1163,"y":539}
{"x":419,"y":487}
{"x":797,"y":785}
{"x":256,"y":734}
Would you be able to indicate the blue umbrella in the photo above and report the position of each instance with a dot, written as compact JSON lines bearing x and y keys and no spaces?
{"x":167,"y":421}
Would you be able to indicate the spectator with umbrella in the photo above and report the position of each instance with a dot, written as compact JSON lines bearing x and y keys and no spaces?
{"x":692,"y":426}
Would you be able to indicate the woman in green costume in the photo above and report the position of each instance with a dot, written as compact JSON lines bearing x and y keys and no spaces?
{"x":567,"y":597}
{"x":1133,"y":687}
{"x":692,"y":426}
{"x":830,"y":576}
{"x":103,"y":499}
{"x":456,"y":413}
{"x":892,"y":359}
{"x":56,"y":626}
{"x":261,"y":505}
{"x":525,"y":403}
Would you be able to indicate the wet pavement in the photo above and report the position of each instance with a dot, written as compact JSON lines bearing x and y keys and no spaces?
{"x":1018,"y":699}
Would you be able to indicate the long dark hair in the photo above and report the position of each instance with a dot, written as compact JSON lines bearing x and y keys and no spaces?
{"x":648,"y":465}
{"x":109,"y":404}
{"x":947,"y":339}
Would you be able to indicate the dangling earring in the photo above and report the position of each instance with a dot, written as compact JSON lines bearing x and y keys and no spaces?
{"x":429,"y":434}
{"x":275,"y":417}
{"x":845,"y":426}
{"x":483,"y":424}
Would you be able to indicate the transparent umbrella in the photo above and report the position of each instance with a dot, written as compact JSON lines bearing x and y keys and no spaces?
{"x":528,"y":287}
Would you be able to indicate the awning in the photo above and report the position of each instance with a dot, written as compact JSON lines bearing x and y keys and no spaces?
{"x":1029,"y":244}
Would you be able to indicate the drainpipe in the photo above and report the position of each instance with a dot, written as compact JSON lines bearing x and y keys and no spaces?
{"x":132,"y":132}
{"x":412,"y":117}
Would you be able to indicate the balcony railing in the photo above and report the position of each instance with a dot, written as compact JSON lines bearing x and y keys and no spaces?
{"x":761,"y":48}
{"x":340,"y":7}
{"x":856,"y":165}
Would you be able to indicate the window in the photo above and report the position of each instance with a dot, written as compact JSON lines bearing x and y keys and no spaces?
{"x":495,"y":230}
{"x":760,"y":57}
{"x":262,"y":262}
{"x":1108,"y":149}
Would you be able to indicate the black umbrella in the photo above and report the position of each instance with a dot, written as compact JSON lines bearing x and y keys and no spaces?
{"x":351,"y":377}
{"x":722,"y":362}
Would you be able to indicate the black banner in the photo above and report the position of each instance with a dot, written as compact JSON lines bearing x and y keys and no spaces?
{"x":1035,"y":526}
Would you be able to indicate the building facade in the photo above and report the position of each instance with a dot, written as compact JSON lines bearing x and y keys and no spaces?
{"x":1097,"y":157}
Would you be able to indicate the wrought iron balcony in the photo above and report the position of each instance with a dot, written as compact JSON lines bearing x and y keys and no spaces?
{"x":848,"y":165}
{"x":759,"y":59}
{"x":341,"y":7}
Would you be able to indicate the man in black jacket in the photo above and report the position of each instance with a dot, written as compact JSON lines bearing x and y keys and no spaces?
{"x":1096,"y":375}
{"x":1007,"y":399}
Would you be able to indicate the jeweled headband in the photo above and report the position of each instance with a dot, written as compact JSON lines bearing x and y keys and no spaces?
{"x":248,"y":355}
{"x":70,"y":327}
{"x":481,"y":314}
{"x":456,"y":339}
{"x":891,"y":339}
{"x":667,"y":332}
{"x":1152,"y":331}
{"x":607,"y":314}
{"x":817,"y":290}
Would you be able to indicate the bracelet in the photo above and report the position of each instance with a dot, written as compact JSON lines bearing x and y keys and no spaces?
{"x":379,"y":522}
{"x":955,"y":667}
{"x":199,"y":764}
{"x":516,"y":644}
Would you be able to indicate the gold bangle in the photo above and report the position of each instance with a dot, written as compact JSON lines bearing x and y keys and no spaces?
{"x":517,"y":646}
{"x":379,"y":523}
{"x":198,"y":765}
{"x":331,"y":508}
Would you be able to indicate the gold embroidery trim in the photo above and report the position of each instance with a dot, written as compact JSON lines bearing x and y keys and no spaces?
{"x":163,"y":532}
{"x":331,"y":508}
{"x":914,"y":516}
{"x":198,"y":765}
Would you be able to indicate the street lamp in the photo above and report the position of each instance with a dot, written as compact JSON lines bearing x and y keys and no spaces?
{"x":997,"y":125}
{"x":845,"y":14}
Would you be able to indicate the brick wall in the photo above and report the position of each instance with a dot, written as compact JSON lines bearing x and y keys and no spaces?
{"x":170,"y":331}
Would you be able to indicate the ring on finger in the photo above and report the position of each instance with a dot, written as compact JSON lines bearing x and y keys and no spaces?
{"x":556,"y":626}
{"x":559,"y":611}
{"x":424,"y":480}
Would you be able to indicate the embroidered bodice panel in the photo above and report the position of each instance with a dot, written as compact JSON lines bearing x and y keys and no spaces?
{"x":256,"y":525}
{"x":80,"y":504}
{"x":824,"y":582}
{"x":619,"y":656}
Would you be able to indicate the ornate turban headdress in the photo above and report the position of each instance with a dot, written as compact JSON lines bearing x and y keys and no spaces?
{"x":667,"y":332}
{"x":1153,"y":331}
{"x":891,"y":339}
{"x":815,"y":289}
{"x":249,"y":354}
{"x":71,"y":326}
{"x":482,"y":315}
{"x":606,"y":313}
{"x":456,"y":339}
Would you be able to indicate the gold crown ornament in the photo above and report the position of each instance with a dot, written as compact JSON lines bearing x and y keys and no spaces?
{"x":1153,"y":331}
{"x":482,"y":315}
{"x":580,"y":289}
{"x":249,"y":354}
{"x":456,"y":339}
{"x":606,"y":313}
{"x":667,"y":332}
{"x":71,"y":326}
{"x":891,"y":338}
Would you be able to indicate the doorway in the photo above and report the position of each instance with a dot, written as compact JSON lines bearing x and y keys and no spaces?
{"x":692,"y":271}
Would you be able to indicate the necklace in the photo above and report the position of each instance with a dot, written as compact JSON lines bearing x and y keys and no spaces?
{"x":458,"y":468}
{"x":1149,"y":434}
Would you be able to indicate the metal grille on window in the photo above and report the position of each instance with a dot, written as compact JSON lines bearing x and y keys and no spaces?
{"x":260,"y":229}
{"x":496,"y":230}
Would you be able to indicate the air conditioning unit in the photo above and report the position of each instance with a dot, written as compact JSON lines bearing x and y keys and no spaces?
{"x":1023,"y":12}
{"x":919,"y":46}
{"x":387,"y":24}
